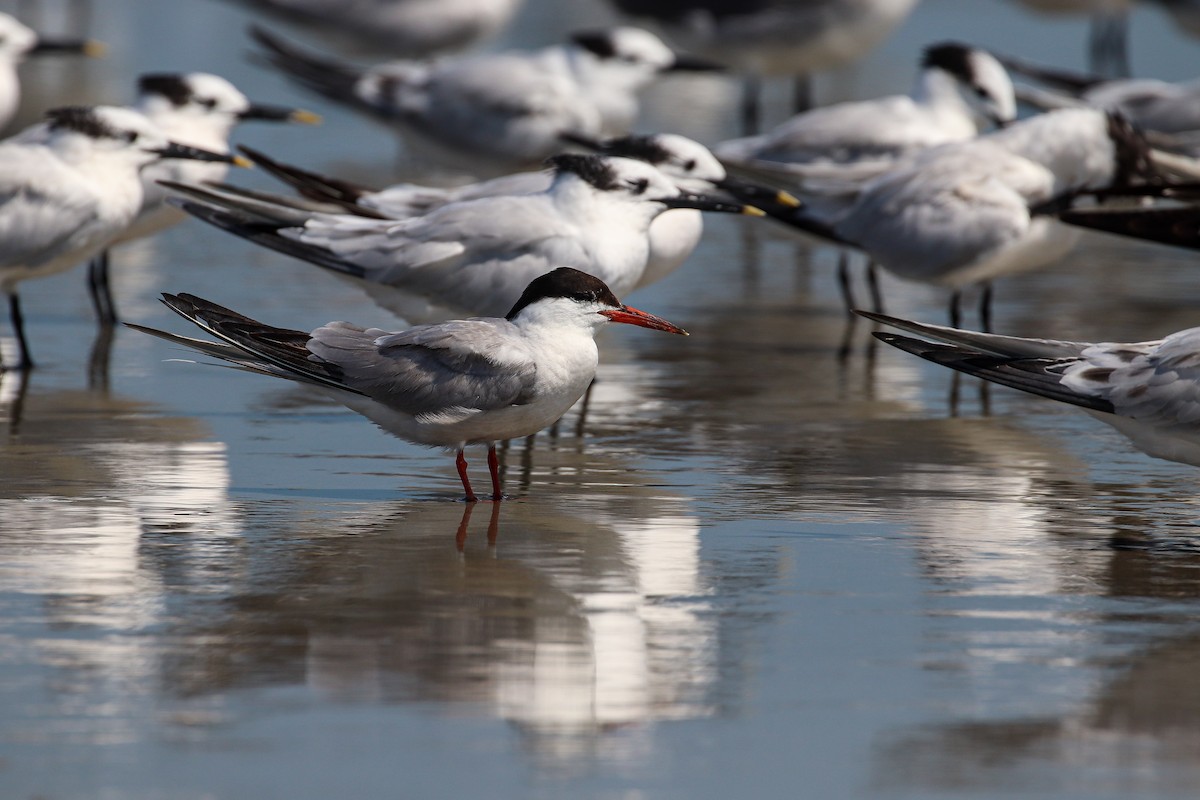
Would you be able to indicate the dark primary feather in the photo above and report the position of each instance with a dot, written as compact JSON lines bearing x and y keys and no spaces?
{"x":334,"y":79}
{"x":310,"y":184}
{"x":267,"y":235}
{"x":1179,"y":226}
{"x":1040,"y":376}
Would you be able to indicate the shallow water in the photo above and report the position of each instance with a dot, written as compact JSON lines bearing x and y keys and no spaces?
{"x":776,"y":561}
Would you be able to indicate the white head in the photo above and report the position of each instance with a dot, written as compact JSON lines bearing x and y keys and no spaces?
{"x":203,"y":99}
{"x":632,"y":56}
{"x":570,"y":299}
{"x":980,"y":81}
{"x":683,"y":159}
{"x":83,"y":134}
{"x":629,"y":183}
{"x":15,"y":39}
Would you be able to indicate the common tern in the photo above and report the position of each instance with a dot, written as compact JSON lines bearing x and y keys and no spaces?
{"x":452,"y":384}
{"x":1150,"y":391}
{"x":476,"y":256}
{"x":68,"y":187}
{"x":197,"y":109}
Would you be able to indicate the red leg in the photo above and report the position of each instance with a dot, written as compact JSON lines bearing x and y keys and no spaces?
{"x":494,"y":468}
{"x":461,"y":463}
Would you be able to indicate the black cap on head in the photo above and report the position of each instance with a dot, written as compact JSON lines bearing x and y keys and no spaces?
{"x":643,"y":148}
{"x":951,"y":57}
{"x":598,"y":43}
{"x":81,"y":119}
{"x":172,"y":86}
{"x":592,"y":169}
{"x":569,"y":283}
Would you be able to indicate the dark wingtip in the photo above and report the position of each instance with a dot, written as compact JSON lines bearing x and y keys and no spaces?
{"x":1179,"y":227}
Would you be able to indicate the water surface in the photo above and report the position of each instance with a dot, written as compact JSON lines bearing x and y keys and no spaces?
{"x":772,"y":561}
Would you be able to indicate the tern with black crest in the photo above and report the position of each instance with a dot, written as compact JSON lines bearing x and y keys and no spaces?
{"x":67,"y":187}
{"x":476,"y":256}
{"x":498,"y":111}
{"x":197,"y":109}
{"x":673,"y":235}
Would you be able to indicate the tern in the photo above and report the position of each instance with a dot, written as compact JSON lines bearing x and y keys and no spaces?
{"x":966,"y":213}
{"x":1167,"y":111}
{"x":476,"y":256}
{"x":452,"y":384}
{"x":673,"y":235}
{"x":16,"y":42}
{"x":67,"y":187}
{"x":959,"y":92}
{"x":498,"y":110}
{"x":774,"y":37}
{"x":1150,"y":391}
{"x":197,"y":109}
{"x":408,"y":28}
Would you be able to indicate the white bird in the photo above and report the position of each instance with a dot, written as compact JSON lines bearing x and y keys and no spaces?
{"x":774,"y":37}
{"x":407,"y":28}
{"x":967,"y":213}
{"x":18,"y":41}
{"x":673,"y":235}
{"x":67,"y":187}
{"x":500,"y":110}
{"x":476,"y":256}
{"x":959,"y":92}
{"x":1150,"y":391}
{"x":1169,"y":112}
{"x":196,"y":109}
{"x":471,"y":381}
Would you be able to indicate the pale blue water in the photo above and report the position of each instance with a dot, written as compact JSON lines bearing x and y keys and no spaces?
{"x":761,"y":571}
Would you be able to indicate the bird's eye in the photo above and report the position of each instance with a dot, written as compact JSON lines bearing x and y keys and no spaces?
{"x":983,"y":93}
{"x":131,"y":136}
{"x":208,"y":102}
{"x":689,"y":165}
{"x":639,"y":185}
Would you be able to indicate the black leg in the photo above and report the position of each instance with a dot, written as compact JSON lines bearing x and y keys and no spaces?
{"x":873,"y":285}
{"x":985,"y":308}
{"x":581,"y":421}
{"x":24,"y":361}
{"x":844,"y":282}
{"x":955,"y":309}
{"x":751,"y":102}
{"x":101,"y":292}
{"x":802,"y":94}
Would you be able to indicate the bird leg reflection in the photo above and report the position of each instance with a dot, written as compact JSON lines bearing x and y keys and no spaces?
{"x":751,"y":104}
{"x":493,"y":529}
{"x":873,"y":285}
{"x":844,"y":285}
{"x":16,"y":405}
{"x":100,"y":357}
{"x":494,"y":469}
